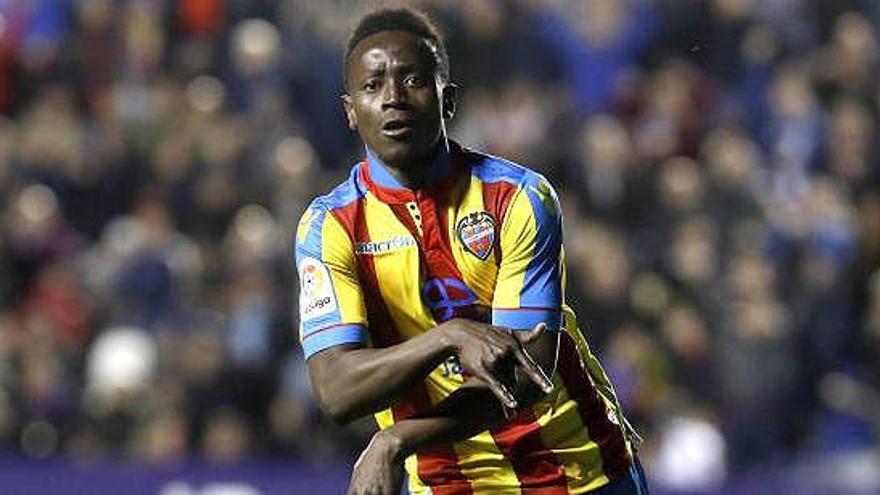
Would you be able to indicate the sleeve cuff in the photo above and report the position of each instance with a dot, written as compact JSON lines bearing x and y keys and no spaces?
{"x":527,"y":318}
{"x":327,"y":337}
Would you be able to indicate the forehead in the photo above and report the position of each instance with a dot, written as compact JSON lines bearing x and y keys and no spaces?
{"x":382,"y":48}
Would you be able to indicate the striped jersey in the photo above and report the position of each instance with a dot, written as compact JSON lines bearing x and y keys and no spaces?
{"x":380,"y":263}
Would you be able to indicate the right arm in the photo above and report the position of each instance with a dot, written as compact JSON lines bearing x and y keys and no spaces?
{"x":351,"y":380}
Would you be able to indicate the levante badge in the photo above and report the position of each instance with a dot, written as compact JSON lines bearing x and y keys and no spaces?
{"x":476,"y":231}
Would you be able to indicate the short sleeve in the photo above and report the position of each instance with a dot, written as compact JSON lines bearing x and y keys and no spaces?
{"x":528,"y":289}
{"x":331,"y":304}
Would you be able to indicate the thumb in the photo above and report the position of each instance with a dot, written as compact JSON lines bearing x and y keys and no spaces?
{"x":533,"y":334}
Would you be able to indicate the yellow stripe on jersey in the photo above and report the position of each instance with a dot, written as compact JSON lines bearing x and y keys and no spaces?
{"x":478,"y":457}
{"x":338,"y":256}
{"x":397,"y":271}
{"x":570,"y":441}
{"x":517,"y":246}
{"x":484,"y":465}
{"x":478,"y":274}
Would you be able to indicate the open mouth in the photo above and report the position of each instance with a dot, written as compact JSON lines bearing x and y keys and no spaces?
{"x":397,"y":128}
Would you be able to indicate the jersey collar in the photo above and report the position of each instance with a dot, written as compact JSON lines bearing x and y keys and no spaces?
{"x":386,"y":187}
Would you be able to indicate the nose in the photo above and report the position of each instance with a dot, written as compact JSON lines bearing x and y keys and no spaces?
{"x":394,"y":94}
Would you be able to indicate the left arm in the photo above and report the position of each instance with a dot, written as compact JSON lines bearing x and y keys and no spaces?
{"x":471,"y":409}
{"x":528,"y":298}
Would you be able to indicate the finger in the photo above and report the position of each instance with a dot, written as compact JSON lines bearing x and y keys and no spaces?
{"x":500,"y":333}
{"x":531,"y":368}
{"x":498,"y":389}
{"x":533,"y":371}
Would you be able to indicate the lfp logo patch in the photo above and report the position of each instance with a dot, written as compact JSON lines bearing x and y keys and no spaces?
{"x":313,"y":280}
{"x":476,"y":231}
{"x":316,"y":292}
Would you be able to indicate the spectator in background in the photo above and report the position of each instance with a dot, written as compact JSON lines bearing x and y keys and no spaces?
{"x":617,"y":186}
{"x":792,"y":132}
{"x":596,"y":43}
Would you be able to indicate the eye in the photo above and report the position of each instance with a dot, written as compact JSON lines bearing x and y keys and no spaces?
{"x":371,"y":85}
{"x":415,"y":81}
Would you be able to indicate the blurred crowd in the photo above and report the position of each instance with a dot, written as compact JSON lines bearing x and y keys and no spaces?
{"x":717,"y":159}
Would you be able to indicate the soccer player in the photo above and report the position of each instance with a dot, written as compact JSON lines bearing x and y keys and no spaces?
{"x":432,"y":296}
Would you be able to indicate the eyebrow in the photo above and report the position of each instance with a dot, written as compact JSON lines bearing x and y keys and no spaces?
{"x":382,"y":67}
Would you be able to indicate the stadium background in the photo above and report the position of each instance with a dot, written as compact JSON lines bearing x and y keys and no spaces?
{"x":718,"y":161}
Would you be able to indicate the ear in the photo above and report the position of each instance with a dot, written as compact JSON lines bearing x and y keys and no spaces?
{"x":349,"y":111}
{"x":448,"y":97}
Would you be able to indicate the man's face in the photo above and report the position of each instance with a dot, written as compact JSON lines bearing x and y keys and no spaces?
{"x":392,"y":97}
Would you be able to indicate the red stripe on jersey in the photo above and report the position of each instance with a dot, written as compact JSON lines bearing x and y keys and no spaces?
{"x":594,"y":415}
{"x":536,"y":467}
{"x":353,"y":219}
{"x":402,"y":213}
{"x":496,"y":198}
{"x":387,"y":195}
{"x":435,"y":242}
{"x":437,"y":467}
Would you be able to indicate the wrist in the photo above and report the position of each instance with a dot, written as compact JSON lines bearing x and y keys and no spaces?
{"x":391,"y":444}
{"x":445,"y":339}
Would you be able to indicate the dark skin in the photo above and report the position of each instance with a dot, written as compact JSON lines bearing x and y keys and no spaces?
{"x":397,"y":102}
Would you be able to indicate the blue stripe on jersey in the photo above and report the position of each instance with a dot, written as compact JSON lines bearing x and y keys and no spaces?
{"x":311,"y":244}
{"x":345,"y":193}
{"x":327,"y":337}
{"x":527,"y":318}
{"x":493,"y":169}
{"x":542,"y":287}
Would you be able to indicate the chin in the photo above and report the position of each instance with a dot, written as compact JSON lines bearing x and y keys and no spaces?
{"x":398,"y":153}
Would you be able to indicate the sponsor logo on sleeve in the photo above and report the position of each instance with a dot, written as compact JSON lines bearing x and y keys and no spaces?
{"x":316,"y":291}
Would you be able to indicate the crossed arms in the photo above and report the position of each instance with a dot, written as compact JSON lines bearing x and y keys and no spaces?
{"x":508,"y":373}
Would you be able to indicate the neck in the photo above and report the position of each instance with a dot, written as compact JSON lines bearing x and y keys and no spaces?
{"x":412,"y":174}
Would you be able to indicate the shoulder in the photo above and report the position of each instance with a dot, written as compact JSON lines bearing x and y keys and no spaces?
{"x":345,"y":194}
{"x":511,"y":187}
{"x":492,"y":169}
{"x":535,"y":196}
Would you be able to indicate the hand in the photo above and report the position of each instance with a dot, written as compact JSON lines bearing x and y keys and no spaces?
{"x":378,"y":470}
{"x":491,"y":352}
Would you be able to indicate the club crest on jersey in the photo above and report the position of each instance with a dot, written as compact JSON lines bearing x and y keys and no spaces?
{"x":476,"y":231}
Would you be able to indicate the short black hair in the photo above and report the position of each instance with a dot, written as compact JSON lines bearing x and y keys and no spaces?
{"x":400,"y":19}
